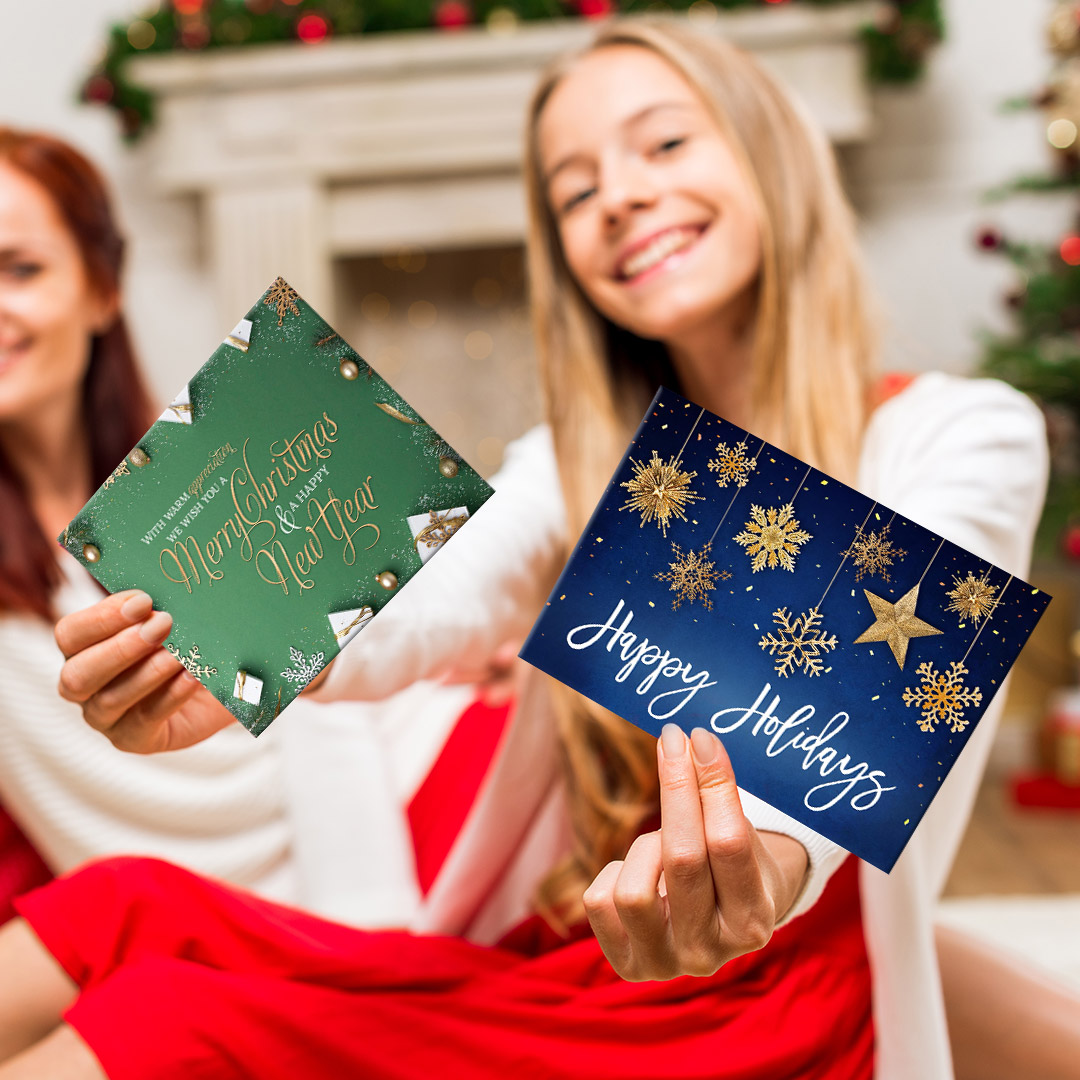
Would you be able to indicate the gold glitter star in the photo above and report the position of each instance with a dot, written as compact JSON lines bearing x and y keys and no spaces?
{"x":772,"y":537}
{"x":896,"y":623}
{"x":972,"y":597}
{"x":659,"y":491}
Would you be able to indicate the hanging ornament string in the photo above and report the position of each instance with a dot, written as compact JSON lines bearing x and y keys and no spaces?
{"x":731,"y":501}
{"x":985,"y":621}
{"x":661,"y":490}
{"x":842,"y":561}
{"x":678,"y":456}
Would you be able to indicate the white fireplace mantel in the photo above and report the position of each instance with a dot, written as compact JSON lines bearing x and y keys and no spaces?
{"x":302,"y":155}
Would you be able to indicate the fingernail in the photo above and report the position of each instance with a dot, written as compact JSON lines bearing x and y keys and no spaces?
{"x":156,"y":627}
{"x":136,"y":607}
{"x":672,"y":740}
{"x":704,"y":745}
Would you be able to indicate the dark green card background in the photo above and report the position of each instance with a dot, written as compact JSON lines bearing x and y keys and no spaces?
{"x":281,"y":386}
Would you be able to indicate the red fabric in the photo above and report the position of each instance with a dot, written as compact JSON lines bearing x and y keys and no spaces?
{"x":442,"y":802}
{"x":184,"y":978}
{"x":189,"y":979}
{"x":21,"y":868}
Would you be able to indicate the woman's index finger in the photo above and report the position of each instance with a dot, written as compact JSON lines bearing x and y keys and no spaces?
{"x":81,"y":629}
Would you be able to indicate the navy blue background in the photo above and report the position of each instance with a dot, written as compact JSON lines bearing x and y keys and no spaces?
{"x":617,"y":558}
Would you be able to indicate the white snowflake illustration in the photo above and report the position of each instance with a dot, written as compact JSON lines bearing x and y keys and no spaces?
{"x":942,"y":696}
{"x":731,"y":464}
{"x":302,"y":671}
{"x":800,"y":642}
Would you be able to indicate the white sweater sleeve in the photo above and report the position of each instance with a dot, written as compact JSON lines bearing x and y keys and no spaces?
{"x":486,"y":585}
{"x":967,"y":459}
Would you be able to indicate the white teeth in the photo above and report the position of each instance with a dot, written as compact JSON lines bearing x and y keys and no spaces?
{"x":659,"y":249}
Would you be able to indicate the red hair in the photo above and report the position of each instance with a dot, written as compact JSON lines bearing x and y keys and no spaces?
{"x":114,"y":394}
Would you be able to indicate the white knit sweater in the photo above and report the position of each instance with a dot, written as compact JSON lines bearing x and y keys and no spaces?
{"x":966,"y":458}
{"x":313,"y":811}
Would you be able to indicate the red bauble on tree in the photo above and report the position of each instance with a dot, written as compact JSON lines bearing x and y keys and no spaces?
{"x":1069,"y":249}
{"x":451,"y":14}
{"x":1070,"y":541}
{"x":189,"y":7}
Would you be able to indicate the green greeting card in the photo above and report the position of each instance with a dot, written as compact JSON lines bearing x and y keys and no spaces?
{"x":284,"y":496}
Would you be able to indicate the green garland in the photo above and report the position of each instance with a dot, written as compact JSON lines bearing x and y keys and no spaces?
{"x":895,"y":53}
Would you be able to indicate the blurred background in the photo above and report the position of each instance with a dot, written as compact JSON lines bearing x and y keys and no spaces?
{"x":369,"y":155}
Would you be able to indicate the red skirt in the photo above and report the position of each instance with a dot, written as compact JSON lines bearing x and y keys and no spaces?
{"x":184,"y":978}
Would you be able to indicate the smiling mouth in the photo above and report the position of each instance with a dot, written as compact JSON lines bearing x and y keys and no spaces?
{"x":668,"y":243}
{"x":11,"y":353}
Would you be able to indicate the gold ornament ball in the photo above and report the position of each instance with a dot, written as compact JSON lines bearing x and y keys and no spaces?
{"x":350,"y":369}
{"x":91,"y":553}
{"x":448,"y":467}
{"x":387,"y":579}
{"x":139,"y":456}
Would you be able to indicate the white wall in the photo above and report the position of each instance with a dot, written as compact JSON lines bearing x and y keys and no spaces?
{"x":916,"y":183}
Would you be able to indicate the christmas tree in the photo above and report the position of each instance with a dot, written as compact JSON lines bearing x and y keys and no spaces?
{"x":1041,"y":352}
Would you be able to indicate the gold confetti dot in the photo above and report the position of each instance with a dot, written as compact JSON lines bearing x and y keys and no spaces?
{"x":487,"y":292}
{"x":490,"y":450}
{"x":391,"y":359}
{"x":478,"y":345}
{"x":141,"y":35}
{"x":702,"y":13}
{"x":1061,"y":133}
{"x":422,"y":314}
{"x":375,"y":307}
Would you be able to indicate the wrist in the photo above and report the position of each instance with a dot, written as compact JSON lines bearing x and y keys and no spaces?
{"x":792,"y":868}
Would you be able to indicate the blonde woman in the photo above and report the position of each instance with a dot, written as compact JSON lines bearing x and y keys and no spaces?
{"x":687,"y":227}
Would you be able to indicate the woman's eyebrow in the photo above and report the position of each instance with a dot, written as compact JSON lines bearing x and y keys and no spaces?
{"x":628,"y":122}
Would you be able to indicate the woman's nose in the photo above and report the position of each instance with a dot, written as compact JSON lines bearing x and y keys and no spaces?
{"x":623,"y":190}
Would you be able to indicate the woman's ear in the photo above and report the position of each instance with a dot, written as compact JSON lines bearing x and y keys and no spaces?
{"x":105,"y":311}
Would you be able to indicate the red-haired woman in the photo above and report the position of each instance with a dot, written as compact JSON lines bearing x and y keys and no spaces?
{"x":72,"y":403}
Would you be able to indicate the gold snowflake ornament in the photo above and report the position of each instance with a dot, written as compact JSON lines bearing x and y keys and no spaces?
{"x":282,"y":297}
{"x":942,"y":696}
{"x":693,"y":576}
{"x":800,"y":643}
{"x":772,"y":537}
{"x":731,"y":464}
{"x":659,"y":491}
{"x":873,"y":553}
{"x":973,"y":597}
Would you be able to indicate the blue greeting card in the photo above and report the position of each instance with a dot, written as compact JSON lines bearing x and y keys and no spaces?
{"x":842,"y":652}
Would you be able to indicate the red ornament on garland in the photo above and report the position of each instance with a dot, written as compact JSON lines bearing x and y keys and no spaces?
{"x":99,"y":90}
{"x":1070,"y":250}
{"x":188,"y":7}
{"x":312,"y":29}
{"x":195,"y":35}
{"x":989,"y":238}
{"x":452,"y":14}
{"x":594,"y":9}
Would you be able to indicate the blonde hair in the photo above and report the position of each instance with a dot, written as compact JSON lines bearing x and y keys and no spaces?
{"x":814,"y":362}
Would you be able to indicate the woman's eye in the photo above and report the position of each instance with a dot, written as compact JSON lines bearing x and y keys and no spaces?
{"x":23,"y":271}
{"x":670,"y":144}
{"x":575,"y":200}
